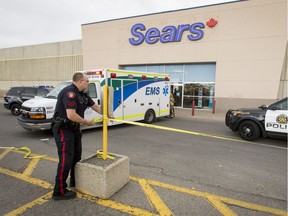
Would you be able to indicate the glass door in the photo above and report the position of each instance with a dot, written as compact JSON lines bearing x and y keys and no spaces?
{"x":201,"y":93}
{"x":177,"y":92}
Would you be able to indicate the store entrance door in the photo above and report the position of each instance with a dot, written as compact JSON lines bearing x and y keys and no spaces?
{"x":177,"y":92}
{"x":201,"y":93}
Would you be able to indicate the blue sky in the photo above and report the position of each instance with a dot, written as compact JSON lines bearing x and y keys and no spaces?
{"x":29,"y":22}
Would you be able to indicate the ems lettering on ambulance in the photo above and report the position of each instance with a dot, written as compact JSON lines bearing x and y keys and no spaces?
{"x":279,"y":124}
{"x":156,"y":90}
{"x":152,"y":91}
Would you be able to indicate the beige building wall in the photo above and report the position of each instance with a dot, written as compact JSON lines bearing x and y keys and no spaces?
{"x":248,"y":45}
{"x":40,"y":64}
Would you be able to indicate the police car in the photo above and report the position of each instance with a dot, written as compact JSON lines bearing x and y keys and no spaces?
{"x":266,"y":121}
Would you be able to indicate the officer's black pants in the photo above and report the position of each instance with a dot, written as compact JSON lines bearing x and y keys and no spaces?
{"x":69,"y":151}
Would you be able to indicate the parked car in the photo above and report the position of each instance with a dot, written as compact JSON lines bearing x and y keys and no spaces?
{"x":15,"y":96}
{"x":266,"y":121}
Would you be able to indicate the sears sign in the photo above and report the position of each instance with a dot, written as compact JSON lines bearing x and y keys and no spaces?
{"x":169,"y":33}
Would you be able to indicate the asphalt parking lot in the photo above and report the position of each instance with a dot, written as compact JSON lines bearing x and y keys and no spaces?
{"x":26,"y":183}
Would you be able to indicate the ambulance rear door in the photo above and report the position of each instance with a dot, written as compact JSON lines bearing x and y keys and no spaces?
{"x":125,"y":98}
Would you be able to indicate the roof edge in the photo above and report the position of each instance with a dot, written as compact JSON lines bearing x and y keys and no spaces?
{"x":236,"y":1}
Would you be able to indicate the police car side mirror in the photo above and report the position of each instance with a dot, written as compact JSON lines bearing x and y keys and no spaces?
{"x":263,"y":107}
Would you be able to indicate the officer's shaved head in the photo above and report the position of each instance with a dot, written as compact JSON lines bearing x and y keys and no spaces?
{"x":77,"y":77}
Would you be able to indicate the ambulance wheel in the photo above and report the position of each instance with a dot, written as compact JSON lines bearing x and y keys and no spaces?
{"x":150,"y":116}
{"x":15,"y":109}
{"x":249,"y":130}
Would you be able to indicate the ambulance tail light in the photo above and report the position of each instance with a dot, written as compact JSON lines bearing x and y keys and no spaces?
{"x":166,"y":78}
{"x":143,"y":77}
{"x":113,"y":75}
{"x":100,"y":73}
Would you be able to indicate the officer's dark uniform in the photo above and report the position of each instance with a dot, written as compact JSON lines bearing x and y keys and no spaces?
{"x":67,"y":134}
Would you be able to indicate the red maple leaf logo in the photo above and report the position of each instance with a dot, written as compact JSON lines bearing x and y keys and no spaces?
{"x":211,"y":23}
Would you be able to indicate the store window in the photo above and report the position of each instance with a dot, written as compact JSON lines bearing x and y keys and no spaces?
{"x":142,"y":68}
{"x":188,"y":82}
{"x":155,"y":68}
{"x":201,"y":93}
{"x":176,"y":73}
{"x":199,"y":85}
{"x":174,"y":68}
{"x":199,"y":72}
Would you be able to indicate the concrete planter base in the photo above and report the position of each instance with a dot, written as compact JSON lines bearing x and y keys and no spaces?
{"x":101,"y":178}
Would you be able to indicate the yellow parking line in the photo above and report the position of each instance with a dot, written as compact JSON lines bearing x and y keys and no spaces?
{"x":116,"y":205}
{"x":44,"y":184}
{"x":215,"y":199}
{"x":154,"y":198}
{"x":220,"y":206}
{"x":30,"y":205}
{"x":173,"y":187}
{"x":32,"y":165}
{"x":4,"y":153}
{"x":253,"y":206}
{"x":26,"y":178}
{"x":50,"y":159}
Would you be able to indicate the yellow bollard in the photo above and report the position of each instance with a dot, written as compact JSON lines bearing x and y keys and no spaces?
{"x":105,"y":121}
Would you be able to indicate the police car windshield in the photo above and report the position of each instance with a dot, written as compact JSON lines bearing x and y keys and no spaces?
{"x":54,"y":93}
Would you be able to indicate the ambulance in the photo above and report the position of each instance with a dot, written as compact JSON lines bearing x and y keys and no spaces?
{"x":133,"y":96}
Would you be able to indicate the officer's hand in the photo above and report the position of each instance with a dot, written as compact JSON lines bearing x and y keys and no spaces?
{"x":89,"y":122}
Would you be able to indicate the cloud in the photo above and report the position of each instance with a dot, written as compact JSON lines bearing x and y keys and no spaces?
{"x":44,"y":21}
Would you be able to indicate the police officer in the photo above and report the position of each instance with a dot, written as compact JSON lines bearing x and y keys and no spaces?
{"x":172,"y":101}
{"x":69,"y":114}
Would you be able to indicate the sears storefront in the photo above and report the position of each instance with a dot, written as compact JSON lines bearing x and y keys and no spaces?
{"x":221,"y":52}
{"x":188,"y":81}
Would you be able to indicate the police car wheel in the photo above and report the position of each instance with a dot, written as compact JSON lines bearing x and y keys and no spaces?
{"x":15,"y":109}
{"x":249,"y":130}
{"x":149,"y":117}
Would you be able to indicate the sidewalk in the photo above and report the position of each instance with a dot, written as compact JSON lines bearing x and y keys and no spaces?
{"x":200,"y":114}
